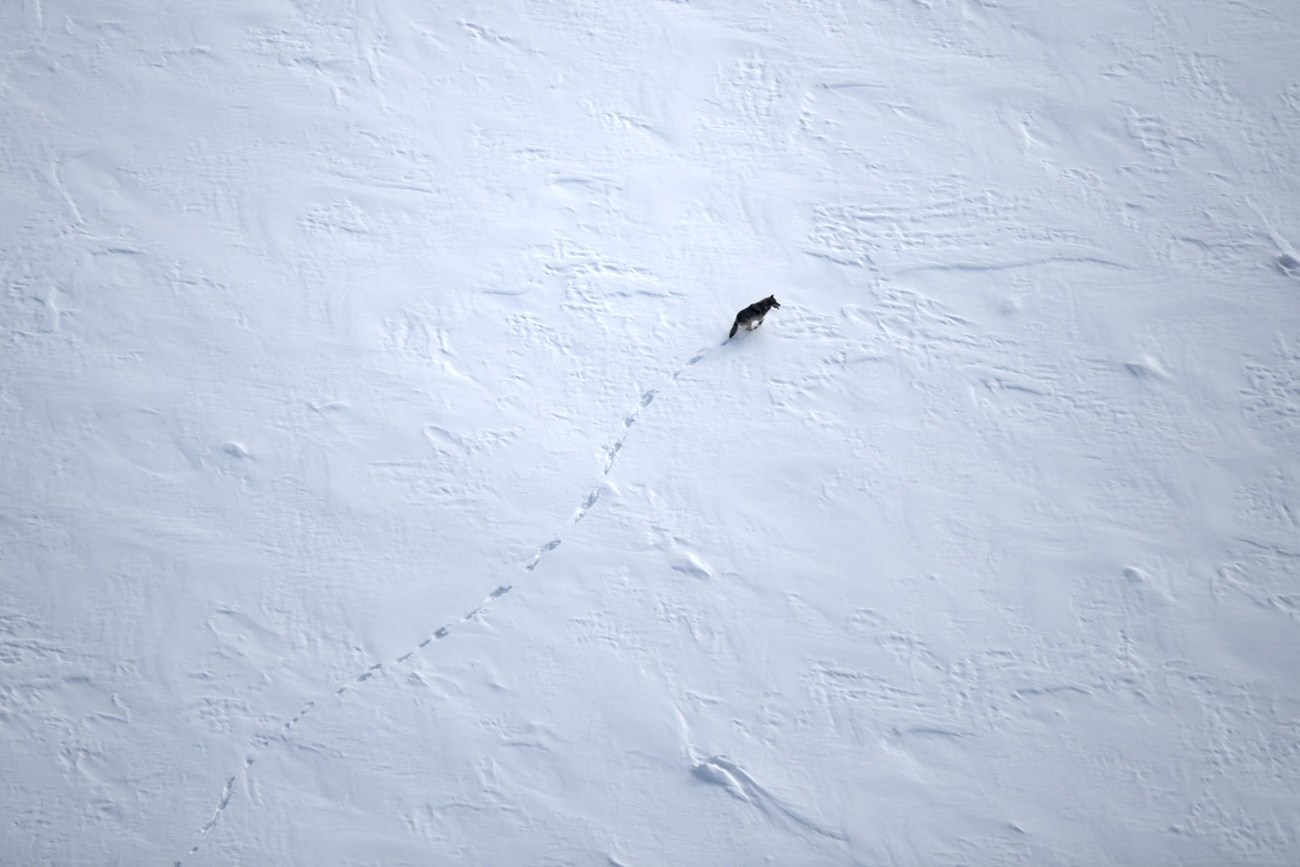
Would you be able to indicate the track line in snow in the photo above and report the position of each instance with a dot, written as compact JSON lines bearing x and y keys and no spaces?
{"x":263,"y":741}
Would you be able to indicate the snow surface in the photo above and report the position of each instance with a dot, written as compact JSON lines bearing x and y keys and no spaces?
{"x":377,"y":487}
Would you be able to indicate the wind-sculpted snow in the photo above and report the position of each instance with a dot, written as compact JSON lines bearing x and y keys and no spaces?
{"x":379,"y":485}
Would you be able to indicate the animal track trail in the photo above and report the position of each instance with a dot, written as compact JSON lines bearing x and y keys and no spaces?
{"x":262,"y":741}
{"x":266,"y":740}
{"x":611,"y":454}
{"x":628,"y":421}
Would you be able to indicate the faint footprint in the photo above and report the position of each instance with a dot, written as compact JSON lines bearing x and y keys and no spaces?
{"x":586,"y":506}
{"x":609,"y":457}
{"x":692,"y":361}
{"x":544,"y":550}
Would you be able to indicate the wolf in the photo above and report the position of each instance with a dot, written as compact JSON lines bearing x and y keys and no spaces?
{"x":752,"y":316}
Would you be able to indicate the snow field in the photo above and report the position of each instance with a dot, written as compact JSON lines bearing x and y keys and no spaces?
{"x":380,"y":488}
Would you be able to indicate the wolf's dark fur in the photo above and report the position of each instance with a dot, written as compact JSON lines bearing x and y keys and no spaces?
{"x":752,"y":316}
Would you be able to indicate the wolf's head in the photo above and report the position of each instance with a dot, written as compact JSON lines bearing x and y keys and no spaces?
{"x":771,"y":300}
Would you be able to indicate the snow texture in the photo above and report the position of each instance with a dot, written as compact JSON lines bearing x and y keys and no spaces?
{"x":378,"y":487}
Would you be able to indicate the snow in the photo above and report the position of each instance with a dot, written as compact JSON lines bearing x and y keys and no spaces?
{"x":379,"y":488}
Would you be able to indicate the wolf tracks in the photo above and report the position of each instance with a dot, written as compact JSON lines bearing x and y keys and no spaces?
{"x":611,"y":453}
{"x":264,"y":740}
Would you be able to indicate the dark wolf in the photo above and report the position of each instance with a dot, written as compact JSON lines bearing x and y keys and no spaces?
{"x":752,"y":316}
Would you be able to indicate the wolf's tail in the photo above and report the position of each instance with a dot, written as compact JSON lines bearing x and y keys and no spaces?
{"x":734,"y":326}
